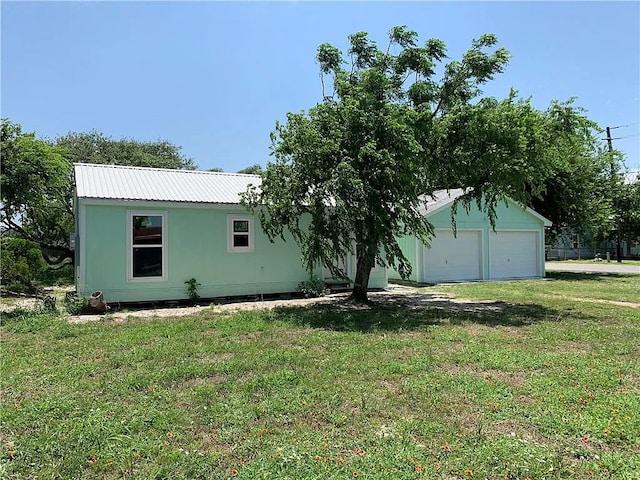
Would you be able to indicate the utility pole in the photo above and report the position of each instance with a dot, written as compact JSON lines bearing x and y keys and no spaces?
{"x":618,"y":242}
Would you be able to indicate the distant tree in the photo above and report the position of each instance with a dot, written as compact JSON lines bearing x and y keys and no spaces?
{"x":37,"y":184}
{"x":626,"y":214}
{"x":252,"y":170}
{"x":215,"y":169}
{"x":95,"y":147}
{"x":351,"y":174}
{"x":578,"y":196}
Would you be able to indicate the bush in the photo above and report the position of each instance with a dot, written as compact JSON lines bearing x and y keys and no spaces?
{"x":58,"y":275}
{"x":75,"y":304}
{"x":22,"y":264}
{"x":193,"y":289}
{"x":314,"y":287}
{"x":24,"y":268}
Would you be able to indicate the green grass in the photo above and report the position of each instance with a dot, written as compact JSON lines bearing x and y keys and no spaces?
{"x":523,"y":381}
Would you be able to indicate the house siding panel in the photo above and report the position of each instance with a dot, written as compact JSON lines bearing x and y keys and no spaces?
{"x":196,"y":248}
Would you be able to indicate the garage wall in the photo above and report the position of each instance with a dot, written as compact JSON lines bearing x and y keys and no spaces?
{"x":452,"y":258}
{"x":512,"y":254}
{"x":409,"y":246}
{"x":514,"y":250}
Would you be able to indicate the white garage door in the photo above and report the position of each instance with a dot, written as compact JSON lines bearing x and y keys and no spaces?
{"x":513,"y":255}
{"x":453,"y":259}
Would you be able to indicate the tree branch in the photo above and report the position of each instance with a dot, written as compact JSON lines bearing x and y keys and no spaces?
{"x":65,"y":252}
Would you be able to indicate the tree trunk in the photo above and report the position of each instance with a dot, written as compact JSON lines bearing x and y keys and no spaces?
{"x":618,"y":249}
{"x":361,"y":283}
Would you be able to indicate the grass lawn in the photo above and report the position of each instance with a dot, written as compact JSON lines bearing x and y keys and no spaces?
{"x":524,"y":381}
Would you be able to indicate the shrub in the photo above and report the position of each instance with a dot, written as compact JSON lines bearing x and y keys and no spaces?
{"x":57,"y":275}
{"x":314,"y":287}
{"x":75,"y":304}
{"x":192,"y":289}
{"x":22,"y":264}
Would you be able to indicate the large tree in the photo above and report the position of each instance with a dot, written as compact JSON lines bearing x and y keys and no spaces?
{"x":37,"y":184}
{"x":36,"y":197}
{"x":351,"y":174}
{"x":578,"y":197}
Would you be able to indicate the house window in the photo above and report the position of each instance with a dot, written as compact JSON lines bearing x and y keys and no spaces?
{"x":147,"y":233}
{"x":240,"y":233}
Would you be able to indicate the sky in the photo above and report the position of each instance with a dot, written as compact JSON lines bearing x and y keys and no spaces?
{"x":214,"y":77}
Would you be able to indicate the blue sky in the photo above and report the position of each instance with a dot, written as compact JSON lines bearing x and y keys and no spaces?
{"x":213,"y":77}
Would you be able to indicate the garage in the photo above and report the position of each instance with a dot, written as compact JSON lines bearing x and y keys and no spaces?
{"x":513,"y":254}
{"x":453,"y":258}
{"x":511,"y":247}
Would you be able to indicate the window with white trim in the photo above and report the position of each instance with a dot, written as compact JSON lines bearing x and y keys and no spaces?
{"x":240,"y":233}
{"x":146,"y":256}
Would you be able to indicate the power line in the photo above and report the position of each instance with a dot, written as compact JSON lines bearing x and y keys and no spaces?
{"x":622,"y":126}
{"x":626,"y":136}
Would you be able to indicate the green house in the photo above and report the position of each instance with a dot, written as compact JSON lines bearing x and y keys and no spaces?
{"x":142,"y":232}
{"x":476,"y":252}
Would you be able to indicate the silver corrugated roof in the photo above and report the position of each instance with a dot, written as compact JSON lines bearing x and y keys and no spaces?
{"x":139,"y":183}
{"x":439,"y":199}
{"x":443,"y":198}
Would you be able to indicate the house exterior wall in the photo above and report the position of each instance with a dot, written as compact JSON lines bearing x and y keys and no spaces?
{"x":573,"y":246}
{"x":196,"y":247}
{"x":510,"y":217}
{"x":408,"y":246}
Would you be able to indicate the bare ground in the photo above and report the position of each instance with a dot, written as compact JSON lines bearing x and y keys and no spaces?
{"x":393,"y":295}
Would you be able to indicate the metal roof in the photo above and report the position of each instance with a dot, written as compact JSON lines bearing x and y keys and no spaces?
{"x":119,"y":182}
{"x":439,"y":199}
{"x":443,"y":198}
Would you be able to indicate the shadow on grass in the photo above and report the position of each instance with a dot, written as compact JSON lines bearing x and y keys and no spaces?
{"x":412,"y":312}
{"x":586,"y":276}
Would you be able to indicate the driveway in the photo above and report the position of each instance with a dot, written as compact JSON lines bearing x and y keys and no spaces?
{"x":603,"y":267}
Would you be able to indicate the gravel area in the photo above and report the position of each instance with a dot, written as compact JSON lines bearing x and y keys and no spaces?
{"x":393,"y":295}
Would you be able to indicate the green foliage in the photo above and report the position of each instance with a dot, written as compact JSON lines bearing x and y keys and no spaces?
{"x":95,"y":147}
{"x":352,"y":173}
{"x":314,"y":287}
{"x":59,"y":275}
{"x":75,"y":304}
{"x":22,"y":264}
{"x":35,"y":192}
{"x":193,"y":289}
{"x":626,"y":205}
{"x":252,"y":170}
{"x":578,"y":195}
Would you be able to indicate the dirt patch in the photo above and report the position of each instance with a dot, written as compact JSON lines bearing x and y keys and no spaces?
{"x":513,"y":379}
{"x":511,"y":428}
{"x":217,"y":358}
{"x":394,"y":296}
{"x":198,"y":381}
{"x":573,"y":346}
{"x":13,"y":303}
